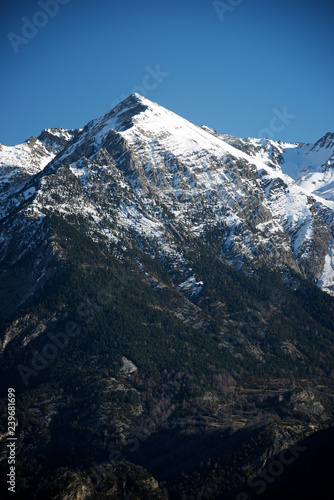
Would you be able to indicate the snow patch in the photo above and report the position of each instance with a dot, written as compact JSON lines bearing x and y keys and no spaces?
{"x":191,"y":285}
{"x":326,"y":281}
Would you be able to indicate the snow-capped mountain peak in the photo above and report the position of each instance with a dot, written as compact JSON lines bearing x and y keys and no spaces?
{"x":141,"y":171}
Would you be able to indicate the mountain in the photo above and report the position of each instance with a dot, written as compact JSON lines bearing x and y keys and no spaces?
{"x":261,"y":213}
{"x":18,"y":163}
{"x":255,"y":197}
{"x":166,"y":305}
{"x":309,"y":165}
{"x":34,"y":154}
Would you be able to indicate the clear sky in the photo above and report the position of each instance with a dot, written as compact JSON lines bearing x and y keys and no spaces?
{"x":243,"y":67}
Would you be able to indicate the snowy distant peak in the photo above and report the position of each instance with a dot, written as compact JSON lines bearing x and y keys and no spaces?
{"x":310,"y":165}
{"x":32,"y":156}
{"x":55,"y":139}
{"x":327,"y":141}
{"x":27,"y":158}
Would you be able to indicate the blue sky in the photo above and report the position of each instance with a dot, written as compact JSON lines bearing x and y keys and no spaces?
{"x":245,"y":67}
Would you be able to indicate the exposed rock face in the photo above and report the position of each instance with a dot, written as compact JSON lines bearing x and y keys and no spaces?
{"x":128,"y":367}
{"x":304,"y":402}
{"x":101,"y":482}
